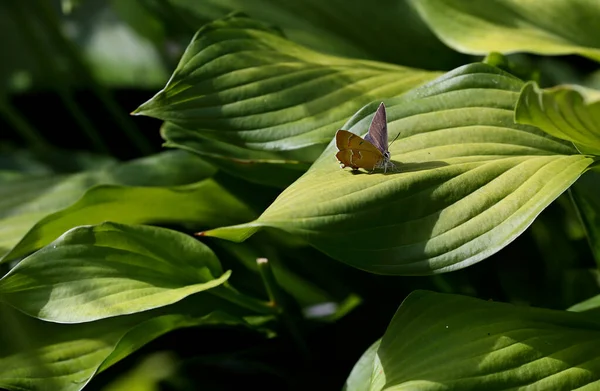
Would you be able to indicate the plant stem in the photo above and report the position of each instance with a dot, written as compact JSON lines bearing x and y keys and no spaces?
{"x":279,"y":302}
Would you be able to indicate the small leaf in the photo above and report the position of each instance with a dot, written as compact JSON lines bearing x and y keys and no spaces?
{"x":571,"y":113}
{"x":439,"y":341}
{"x":27,"y":199}
{"x":37,"y":355}
{"x":468,"y":182}
{"x":508,"y":26}
{"x":95,"y":272}
{"x":242,"y":83}
{"x":360,"y":377}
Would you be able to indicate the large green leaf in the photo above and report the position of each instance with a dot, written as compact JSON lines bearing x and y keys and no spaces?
{"x":468,"y":182}
{"x":25,"y":200}
{"x":568,"y":112}
{"x":95,"y":272}
{"x":241,"y":82}
{"x":43,"y":356}
{"x":507,"y":26}
{"x":205,"y":203}
{"x":389,"y":30}
{"x":439,"y":341}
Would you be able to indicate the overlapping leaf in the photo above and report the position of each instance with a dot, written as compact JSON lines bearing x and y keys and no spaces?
{"x":568,"y":112}
{"x":508,"y":26}
{"x":241,"y":82}
{"x":585,"y":197}
{"x":468,"y":181}
{"x":42,"y":356}
{"x":336,"y":26}
{"x":95,"y":272}
{"x":26,"y":200}
{"x":439,"y":341}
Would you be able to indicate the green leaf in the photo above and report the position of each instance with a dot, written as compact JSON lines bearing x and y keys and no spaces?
{"x":37,"y":355}
{"x":585,"y":198}
{"x":571,"y":113}
{"x":591,"y":305}
{"x":468,"y":182}
{"x":440,"y":341}
{"x":337,"y":27}
{"x":242,"y":83}
{"x":508,"y":26}
{"x":205,"y":203}
{"x":360,"y":377}
{"x":262,"y":167}
{"x":96,"y":272}
{"x":38,"y":207}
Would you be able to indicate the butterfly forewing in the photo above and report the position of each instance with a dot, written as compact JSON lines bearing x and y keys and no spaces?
{"x":378,"y":134}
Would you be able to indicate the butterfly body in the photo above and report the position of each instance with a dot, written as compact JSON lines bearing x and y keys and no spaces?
{"x":369,"y":153}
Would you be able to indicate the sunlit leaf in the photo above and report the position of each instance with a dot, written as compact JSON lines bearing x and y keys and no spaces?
{"x":568,"y":112}
{"x":439,"y":341}
{"x":508,"y":26}
{"x":243,"y":83}
{"x":468,"y":182}
{"x":101,"y":271}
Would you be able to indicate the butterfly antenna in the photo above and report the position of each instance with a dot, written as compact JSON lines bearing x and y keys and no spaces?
{"x":395,"y":138}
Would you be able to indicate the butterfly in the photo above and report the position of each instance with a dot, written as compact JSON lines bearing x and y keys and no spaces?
{"x":369,"y":153}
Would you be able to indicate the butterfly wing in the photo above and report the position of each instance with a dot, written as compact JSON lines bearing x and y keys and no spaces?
{"x":356,"y":152}
{"x":378,"y":134}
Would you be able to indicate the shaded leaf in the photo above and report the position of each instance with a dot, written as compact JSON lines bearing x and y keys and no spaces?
{"x":440,"y":341}
{"x":571,"y":113}
{"x":28,"y":199}
{"x":37,"y":355}
{"x":263,"y":167}
{"x":205,"y":203}
{"x":468,"y":181}
{"x":399,"y":36}
{"x":241,"y":82}
{"x":585,"y":198}
{"x":96,"y":272}
{"x":508,"y":26}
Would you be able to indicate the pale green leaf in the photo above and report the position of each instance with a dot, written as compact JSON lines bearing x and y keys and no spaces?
{"x":547,"y":27}
{"x":468,"y":182}
{"x":439,"y":341}
{"x":27,"y":199}
{"x":568,"y":112}
{"x":360,"y":377}
{"x":241,"y":82}
{"x":95,"y":272}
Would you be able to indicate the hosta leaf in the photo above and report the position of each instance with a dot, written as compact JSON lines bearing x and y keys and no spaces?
{"x":263,"y":167}
{"x":568,"y":112}
{"x":360,"y":377}
{"x":241,"y":82}
{"x":43,"y":356}
{"x":204,"y":203}
{"x":440,"y":341}
{"x":508,"y":26}
{"x":331,"y":27}
{"x":468,"y":181}
{"x":95,"y":272}
{"x":26,"y":200}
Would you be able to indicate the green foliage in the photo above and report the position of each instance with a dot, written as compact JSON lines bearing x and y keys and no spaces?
{"x":246,"y":255}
